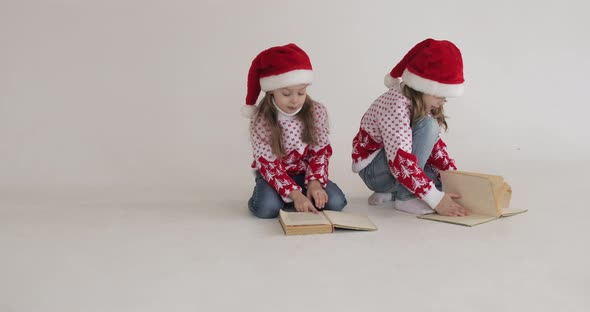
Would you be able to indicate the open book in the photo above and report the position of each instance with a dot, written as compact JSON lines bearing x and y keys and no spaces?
{"x":295,"y":223}
{"x":486,"y":196}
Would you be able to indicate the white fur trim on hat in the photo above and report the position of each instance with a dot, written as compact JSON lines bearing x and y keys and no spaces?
{"x":248,"y":111}
{"x":431,"y":87}
{"x":392,"y":83}
{"x":291,"y":78}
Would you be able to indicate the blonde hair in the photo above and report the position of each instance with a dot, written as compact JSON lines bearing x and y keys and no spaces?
{"x":268,"y":112}
{"x":418,"y":110}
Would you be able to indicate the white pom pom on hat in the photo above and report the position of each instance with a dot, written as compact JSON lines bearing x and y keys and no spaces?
{"x":248,"y":111}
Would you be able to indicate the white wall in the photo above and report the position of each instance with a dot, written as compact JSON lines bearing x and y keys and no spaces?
{"x":132,"y":95}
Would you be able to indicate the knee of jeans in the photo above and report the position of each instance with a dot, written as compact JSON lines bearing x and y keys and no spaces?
{"x":429,"y":125}
{"x":368,"y":178}
{"x":267,"y":211}
{"x":336,"y":202}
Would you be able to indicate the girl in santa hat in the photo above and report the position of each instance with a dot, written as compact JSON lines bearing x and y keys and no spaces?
{"x":289,"y":135}
{"x":398,"y":151}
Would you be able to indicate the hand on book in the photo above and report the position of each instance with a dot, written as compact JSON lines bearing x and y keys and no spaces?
{"x":448,"y":207}
{"x":302,"y":203}
{"x":316,"y":192}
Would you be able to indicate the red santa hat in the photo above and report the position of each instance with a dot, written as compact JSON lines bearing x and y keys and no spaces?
{"x":433,"y":67}
{"x":275,"y":68}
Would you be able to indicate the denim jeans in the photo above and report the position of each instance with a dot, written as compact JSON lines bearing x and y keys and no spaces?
{"x":266,"y":202}
{"x":377,"y":175}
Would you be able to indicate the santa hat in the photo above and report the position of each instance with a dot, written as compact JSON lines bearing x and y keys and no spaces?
{"x":275,"y":68}
{"x":433,"y":67}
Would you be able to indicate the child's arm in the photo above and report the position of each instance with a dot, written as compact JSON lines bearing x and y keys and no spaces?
{"x":319,"y":155}
{"x":271,"y":168}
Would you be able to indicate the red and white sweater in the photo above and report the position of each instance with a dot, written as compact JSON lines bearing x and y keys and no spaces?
{"x":386,"y":124}
{"x":313,"y":160}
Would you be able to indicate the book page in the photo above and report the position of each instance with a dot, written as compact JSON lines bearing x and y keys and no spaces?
{"x":470,"y":220}
{"x":303,"y":218}
{"x":502,"y":190}
{"x":507,"y":212}
{"x":495,"y":178}
{"x":347,"y":220}
{"x":477,"y":192}
{"x":503,"y":196}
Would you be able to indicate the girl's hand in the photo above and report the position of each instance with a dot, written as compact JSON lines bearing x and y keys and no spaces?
{"x":302,"y":203}
{"x":448,"y":207}
{"x":317,"y":192}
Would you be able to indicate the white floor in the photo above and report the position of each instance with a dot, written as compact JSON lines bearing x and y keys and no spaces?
{"x":89,"y":254}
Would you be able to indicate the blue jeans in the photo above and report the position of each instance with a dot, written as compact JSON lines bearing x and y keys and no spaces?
{"x":377,"y":175}
{"x":266,"y":202}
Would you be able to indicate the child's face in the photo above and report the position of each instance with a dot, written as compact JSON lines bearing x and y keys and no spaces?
{"x":290,"y":99}
{"x":433,"y":102}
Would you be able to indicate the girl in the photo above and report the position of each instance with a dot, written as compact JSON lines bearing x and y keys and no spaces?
{"x":398,"y":151}
{"x":289,"y":134}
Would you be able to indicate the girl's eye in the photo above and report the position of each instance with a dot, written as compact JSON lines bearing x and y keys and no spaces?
{"x":302,"y":94}
{"x":286,"y":94}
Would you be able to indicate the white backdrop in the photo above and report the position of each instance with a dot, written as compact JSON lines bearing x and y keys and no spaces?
{"x":144,"y":97}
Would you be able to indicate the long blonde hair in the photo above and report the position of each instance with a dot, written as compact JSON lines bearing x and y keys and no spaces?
{"x":418,"y":110}
{"x":267,"y":111}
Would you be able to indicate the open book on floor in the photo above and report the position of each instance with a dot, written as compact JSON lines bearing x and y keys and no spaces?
{"x":486,"y":196}
{"x":295,"y":223}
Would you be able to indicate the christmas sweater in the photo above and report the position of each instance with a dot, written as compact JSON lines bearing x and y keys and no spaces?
{"x":300,"y":158}
{"x":386,"y":124}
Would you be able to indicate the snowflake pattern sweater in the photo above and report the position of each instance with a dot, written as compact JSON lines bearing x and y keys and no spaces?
{"x":313,"y":160}
{"x":386,"y":124}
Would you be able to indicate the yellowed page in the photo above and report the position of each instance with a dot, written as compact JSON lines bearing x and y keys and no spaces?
{"x":302,"y":218}
{"x":507,"y":212}
{"x":495,"y":178}
{"x":470,"y":220}
{"x":347,"y":220}
{"x":477,"y":193}
{"x":503,"y":196}
{"x":502,"y":190}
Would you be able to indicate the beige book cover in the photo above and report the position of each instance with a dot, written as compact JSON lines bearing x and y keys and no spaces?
{"x":486,"y":196}
{"x":295,"y":223}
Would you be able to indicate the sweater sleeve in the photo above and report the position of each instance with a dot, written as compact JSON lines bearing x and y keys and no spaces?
{"x":394,"y":123}
{"x":439,"y":158}
{"x":270,"y":167}
{"x":319,"y":155}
